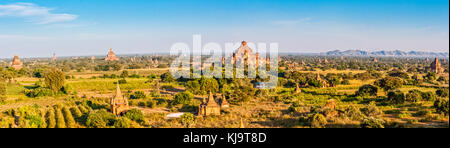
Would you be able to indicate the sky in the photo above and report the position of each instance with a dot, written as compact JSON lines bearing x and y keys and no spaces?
{"x":39,"y":28}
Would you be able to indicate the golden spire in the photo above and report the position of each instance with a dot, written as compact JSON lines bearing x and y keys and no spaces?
{"x":118,"y":92}
{"x":211,"y":101}
{"x":242,"y":124}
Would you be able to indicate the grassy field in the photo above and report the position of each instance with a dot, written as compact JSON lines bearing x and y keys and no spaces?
{"x":269,"y":111}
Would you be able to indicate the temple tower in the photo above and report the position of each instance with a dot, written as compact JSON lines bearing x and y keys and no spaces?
{"x":111,"y":56}
{"x":436,"y":66}
{"x":119,"y":103}
{"x":16,"y":63}
{"x":209,"y":108}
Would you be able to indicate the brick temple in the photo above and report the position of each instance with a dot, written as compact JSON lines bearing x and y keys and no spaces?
{"x":436,"y":66}
{"x":209,"y":107}
{"x":16,"y":63}
{"x":111,"y":56}
{"x":119,"y":103}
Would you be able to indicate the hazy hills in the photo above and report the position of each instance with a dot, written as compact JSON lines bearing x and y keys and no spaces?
{"x":396,"y":53}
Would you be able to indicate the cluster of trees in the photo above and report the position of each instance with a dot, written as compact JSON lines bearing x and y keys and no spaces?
{"x":311,"y":63}
{"x":54,"y":81}
{"x":104,"y":119}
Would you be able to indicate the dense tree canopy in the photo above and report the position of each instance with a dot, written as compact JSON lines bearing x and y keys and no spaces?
{"x":55,"y":80}
{"x":389,"y":83}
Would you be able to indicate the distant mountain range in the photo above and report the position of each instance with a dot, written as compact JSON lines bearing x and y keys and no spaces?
{"x":396,"y":53}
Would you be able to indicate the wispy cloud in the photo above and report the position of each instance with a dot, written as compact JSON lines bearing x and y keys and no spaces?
{"x":34,"y":13}
{"x":291,"y":22}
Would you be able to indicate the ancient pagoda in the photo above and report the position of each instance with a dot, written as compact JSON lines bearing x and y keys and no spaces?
{"x":16,"y":63}
{"x":375,"y":59}
{"x":54,"y":57}
{"x":224,"y":103}
{"x":92,"y":59}
{"x":209,"y":108}
{"x":119,"y":103}
{"x":245,"y":55}
{"x":111,"y":56}
{"x":324,"y":83}
{"x":436,"y":66}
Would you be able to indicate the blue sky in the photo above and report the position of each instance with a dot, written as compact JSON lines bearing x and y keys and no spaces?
{"x":90,"y":27}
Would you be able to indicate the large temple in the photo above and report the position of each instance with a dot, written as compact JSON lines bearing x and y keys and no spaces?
{"x":111,"y":56}
{"x":436,"y":66}
{"x":245,"y":55}
{"x":16,"y":63}
{"x":119,"y":103}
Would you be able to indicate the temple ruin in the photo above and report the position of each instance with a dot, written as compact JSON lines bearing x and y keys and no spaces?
{"x":111,"y":56}
{"x":436,"y":66}
{"x":16,"y":63}
{"x":210,"y":107}
{"x":119,"y":103}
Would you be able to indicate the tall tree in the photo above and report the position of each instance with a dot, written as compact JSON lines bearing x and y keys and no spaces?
{"x":55,"y":80}
{"x":389,"y":83}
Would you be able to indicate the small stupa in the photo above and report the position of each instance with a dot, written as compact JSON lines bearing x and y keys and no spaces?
{"x":224,"y":103}
{"x":242,"y":124}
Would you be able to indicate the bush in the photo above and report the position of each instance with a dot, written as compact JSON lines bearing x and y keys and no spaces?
{"x":372,"y":110}
{"x":354,"y":113}
{"x":124,"y":74}
{"x":429,"y":96}
{"x":60,"y":122}
{"x":414,"y":96}
{"x":152,"y":103}
{"x":135,"y":115}
{"x":123,"y":123}
{"x":431,"y":76}
{"x":187,"y":119}
{"x":123,"y":81}
{"x":399,"y":74}
{"x":55,"y":80}
{"x":76,"y":112}
{"x":100,"y":119}
{"x":367,"y":90}
{"x":183,"y":98}
{"x":2,"y":91}
{"x":6,"y":122}
{"x":443,"y":92}
{"x":138,"y":95}
{"x":345,"y":82}
{"x":34,"y":121}
{"x":442,"y":106}
{"x":83,"y":109}
{"x":70,"y":121}
{"x":51,"y":122}
{"x":317,"y":121}
{"x":167,"y":77}
{"x":193,"y":86}
{"x":38,"y":92}
{"x":371,"y":122}
{"x":396,"y":97}
{"x":389,"y":83}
